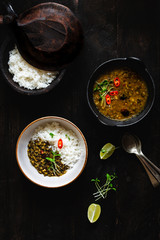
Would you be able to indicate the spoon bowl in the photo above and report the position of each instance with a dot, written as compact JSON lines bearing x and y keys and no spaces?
{"x":130,"y":144}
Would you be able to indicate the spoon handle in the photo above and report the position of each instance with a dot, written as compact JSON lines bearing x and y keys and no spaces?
{"x":149,"y":171}
{"x":151,"y":163}
{"x":151,"y":166}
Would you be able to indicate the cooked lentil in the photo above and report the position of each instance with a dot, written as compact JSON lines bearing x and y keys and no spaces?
{"x":131,"y":98}
{"x":38,"y":151}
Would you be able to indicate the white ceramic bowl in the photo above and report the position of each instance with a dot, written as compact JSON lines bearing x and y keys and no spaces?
{"x":30,"y":171}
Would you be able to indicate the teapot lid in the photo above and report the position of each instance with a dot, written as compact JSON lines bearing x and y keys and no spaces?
{"x":48,"y":36}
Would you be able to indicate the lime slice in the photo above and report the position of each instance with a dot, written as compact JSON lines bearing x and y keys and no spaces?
{"x":107,"y":150}
{"x":94,"y":211}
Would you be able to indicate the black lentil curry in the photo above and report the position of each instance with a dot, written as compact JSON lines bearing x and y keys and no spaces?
{"x":44,"y":159}
{"x":120,"y":94}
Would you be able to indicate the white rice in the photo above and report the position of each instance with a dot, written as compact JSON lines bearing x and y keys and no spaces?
{"x":26,"y":75}
{"x":71,"y":150}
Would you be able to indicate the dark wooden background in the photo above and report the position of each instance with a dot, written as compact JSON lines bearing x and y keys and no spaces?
{"x":112,"y":28}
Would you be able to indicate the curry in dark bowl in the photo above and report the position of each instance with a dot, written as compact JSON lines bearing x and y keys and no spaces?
{"x":121,"y":92}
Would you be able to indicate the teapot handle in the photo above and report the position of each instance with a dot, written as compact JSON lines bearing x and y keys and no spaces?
{"x":1,"y":19}
{"x":8,"y":18}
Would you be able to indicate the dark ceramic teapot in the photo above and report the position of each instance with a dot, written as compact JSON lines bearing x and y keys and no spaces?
{"x":48,"y":35}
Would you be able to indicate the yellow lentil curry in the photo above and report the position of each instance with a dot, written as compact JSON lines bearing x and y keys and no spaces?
{"x":120,"y":94}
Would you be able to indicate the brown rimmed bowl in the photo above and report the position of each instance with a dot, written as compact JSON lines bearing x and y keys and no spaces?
{"x":137,"y":66}
{"x":6,"y":47}
{"x":31,"y":172}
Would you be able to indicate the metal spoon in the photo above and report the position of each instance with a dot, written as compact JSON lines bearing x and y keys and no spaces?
{"x":132,"y":144}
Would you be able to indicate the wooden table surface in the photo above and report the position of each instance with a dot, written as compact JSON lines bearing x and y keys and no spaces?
{"x":112,"y":28}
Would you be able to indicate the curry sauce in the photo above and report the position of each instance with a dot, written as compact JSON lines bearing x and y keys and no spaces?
{"x":120,"y":94}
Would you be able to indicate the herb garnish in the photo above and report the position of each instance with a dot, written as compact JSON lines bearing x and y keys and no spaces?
{"x":67,"y":137}
{"x":102,"y":191}
{"x":103,"y":151}
{"x":103,"y":88}
{"x":51,"y":134}
{"x":54,"y":165}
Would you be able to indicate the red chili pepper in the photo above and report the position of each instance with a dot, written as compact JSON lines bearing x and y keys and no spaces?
{"x":108,"y":99}
{"x":42,"y":152}
{"x":60,"y":143}
{"x":116,"y":82}
{"x":113,"y":93}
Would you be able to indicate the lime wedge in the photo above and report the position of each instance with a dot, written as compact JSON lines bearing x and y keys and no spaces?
{"x":107,"y":150}
{"x":94,"y":211}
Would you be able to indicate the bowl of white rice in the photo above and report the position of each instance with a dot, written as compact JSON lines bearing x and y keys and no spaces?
{"x":63,"y":139}
{"x":21,"y":76}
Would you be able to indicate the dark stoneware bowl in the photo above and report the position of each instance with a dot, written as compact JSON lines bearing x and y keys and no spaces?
{"x":134,"y":64}
{"x":7,"y":46}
